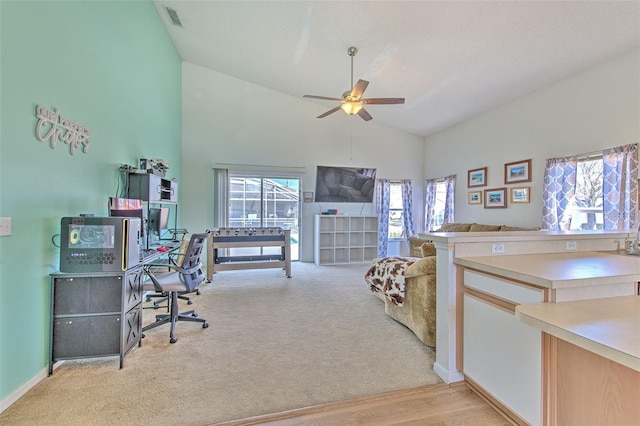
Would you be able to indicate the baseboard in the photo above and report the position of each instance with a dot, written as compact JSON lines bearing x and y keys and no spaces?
{"x":501,"y":408}
{"x":445,"y":375}
{"x":18,"y":393}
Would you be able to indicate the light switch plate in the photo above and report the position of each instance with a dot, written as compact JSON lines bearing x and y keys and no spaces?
{"x":5,"y":226}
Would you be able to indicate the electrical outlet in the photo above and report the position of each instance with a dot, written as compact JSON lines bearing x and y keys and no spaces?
{"x":497,"y":248}
{"x":572,"y":245}
{"x":5,"y":226}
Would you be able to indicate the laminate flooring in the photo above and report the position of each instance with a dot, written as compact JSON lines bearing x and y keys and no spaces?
{"x":440,"y":405}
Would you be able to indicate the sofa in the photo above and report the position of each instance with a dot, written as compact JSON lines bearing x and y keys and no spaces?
{"x":417,"y":309}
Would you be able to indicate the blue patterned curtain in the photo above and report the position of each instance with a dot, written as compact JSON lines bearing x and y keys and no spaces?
{"x":407,"y":206}
{"x":620,"y":187}
{"x":559,"y":190}
{"x":383,"y":196}
{"x":449,"y":201}
{"x":430,"y":205}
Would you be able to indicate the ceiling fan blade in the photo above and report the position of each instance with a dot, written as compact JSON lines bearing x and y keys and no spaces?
{"x":359,"y":88}
{"x":331,"y":111}
{"x":322,"y":97}
{"x":373,"y":101}
{"x":364,"y":115}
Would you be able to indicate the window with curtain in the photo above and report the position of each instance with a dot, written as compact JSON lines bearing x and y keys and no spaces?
{"x":439,"y":202}
{"x":400,"y":210}
{"x":592,"y":191}
{"x":383,"y":201}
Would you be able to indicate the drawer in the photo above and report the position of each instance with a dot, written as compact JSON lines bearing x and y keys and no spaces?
{"x":86,"y":295}
{"x":504,"y":289}
{"x":76,"y":337}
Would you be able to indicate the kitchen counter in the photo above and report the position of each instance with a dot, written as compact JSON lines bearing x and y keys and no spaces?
{"x":608,"y":327}
{"x":558,"y":270}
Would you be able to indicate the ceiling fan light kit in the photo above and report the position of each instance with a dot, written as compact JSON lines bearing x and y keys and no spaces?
{"x":351,"y":101}
{"x":351,"y":107}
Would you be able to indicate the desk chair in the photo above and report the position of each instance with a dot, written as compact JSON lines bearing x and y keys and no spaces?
{"x":180,"y":279}
{"x":160,"y":298}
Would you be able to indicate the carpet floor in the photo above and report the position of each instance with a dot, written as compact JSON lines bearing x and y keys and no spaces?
{"x":273,"y":344}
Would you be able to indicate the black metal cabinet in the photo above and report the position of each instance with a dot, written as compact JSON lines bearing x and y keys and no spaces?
{"x":95,"y":314}
{"x":152,"y":188}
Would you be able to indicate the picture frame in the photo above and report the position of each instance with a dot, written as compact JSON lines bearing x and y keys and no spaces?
{"x":474,"y":197}
{"x":495,"y":198}
{"x":477,"y":177}
{"x":520,"y":194}
{"x":518,"y":171}
{"x":307,"y":196}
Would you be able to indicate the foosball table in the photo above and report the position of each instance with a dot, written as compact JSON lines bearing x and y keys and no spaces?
{"x":229,"y":238}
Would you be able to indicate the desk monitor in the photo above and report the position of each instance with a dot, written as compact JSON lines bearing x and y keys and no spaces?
{"x":158,"y":220}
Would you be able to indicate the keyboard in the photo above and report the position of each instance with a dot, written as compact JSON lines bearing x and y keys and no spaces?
{"x":148,"y":254}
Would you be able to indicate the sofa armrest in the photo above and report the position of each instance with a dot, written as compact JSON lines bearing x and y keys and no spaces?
{"x":422,"y":266}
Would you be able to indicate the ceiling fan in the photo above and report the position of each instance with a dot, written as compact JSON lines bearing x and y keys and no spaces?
{"x":352,"y":101}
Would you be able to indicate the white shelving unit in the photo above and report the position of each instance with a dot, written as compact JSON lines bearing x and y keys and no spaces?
{"x":340,"y":239}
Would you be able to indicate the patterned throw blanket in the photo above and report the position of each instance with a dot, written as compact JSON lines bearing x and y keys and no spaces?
{"x":387,"y":276}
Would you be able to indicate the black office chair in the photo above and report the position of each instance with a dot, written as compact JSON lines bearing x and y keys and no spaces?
{"x":160,"y":298}
{"x":184,"y":276}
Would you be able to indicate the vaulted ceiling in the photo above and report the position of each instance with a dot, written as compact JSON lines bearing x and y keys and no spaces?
{"x":451,"y":60}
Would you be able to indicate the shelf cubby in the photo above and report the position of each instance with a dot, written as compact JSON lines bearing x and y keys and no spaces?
{"x":343,"y":239}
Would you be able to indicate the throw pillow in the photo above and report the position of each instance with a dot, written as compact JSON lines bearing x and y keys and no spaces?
{"x":455,"y":227}
{"x":428,"y":249}
{"x":484,"y":228}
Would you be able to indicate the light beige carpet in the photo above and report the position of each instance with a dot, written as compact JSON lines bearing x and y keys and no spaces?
{"x":272,"y":344}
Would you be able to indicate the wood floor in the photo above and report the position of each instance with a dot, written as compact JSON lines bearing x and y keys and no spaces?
{"x":440,"y":405}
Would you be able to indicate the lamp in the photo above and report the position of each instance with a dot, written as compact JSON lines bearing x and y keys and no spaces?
{"x":351,"y":107}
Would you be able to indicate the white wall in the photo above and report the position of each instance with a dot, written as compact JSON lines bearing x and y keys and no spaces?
{"x":590,"y":111}
{"x":226,"y":120}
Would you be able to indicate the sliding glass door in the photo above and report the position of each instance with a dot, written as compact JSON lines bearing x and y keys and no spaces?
{"x":265,"y":202}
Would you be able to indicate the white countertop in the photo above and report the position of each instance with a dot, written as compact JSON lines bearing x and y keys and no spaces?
{"x":609,"y":327}
{"x":474,"y":237}
{"x":559,"y":270}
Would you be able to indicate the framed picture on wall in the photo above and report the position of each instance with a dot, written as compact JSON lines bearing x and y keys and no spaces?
{"x":495,"y":198}
{"x":475,"y":197}
{"x":477,"y":177}
{"x":518,"y":171}
{"x":520,"y":195}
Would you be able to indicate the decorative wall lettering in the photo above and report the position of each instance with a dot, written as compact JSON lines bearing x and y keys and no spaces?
{"x":54,"y":127}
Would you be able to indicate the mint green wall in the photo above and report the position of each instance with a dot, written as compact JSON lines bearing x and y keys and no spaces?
{"x":108,"y":65}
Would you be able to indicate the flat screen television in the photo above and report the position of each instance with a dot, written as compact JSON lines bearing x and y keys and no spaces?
{"x":344,"y":184}
{"x":158,"y":220}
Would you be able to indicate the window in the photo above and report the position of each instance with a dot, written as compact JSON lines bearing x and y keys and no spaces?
{"x":396,"y":212}
{"x":586,"y":210}
{"x":439,"y":202}
{"x":576,"y":194}
{"x":256,"y":201}
{"x":441,"y":196}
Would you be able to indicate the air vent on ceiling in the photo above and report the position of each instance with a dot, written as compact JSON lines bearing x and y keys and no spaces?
{"x":173,"y":15}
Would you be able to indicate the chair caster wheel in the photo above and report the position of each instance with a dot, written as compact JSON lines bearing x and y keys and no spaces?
{"x":195,"y":314}
{"x":189,"y":302}
{"x":142,"y":337}
{"x":205,"y":325}
{"x":173,"y":340}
